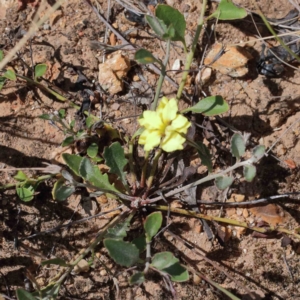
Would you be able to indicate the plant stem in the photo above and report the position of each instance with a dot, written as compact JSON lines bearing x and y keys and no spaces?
{"x":131,"y":167}
{"x":148,"y":257}
{"x":227,"y":221}
{"x":161,"y":76}
{"x":42,"y":87}
{"x":200,"y":181}
{"x":153,"y":170}
{"x":190,"y":56}
{"x":144,"y":170}
{"x":274,"y":33}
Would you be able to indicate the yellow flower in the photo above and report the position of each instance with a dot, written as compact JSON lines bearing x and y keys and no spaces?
{"x":164,"y":127}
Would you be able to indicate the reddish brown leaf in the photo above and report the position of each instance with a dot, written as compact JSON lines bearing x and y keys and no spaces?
{"x":269,"y":213}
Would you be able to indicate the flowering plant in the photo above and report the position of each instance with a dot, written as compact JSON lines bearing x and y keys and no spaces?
{"x":164,"y":127}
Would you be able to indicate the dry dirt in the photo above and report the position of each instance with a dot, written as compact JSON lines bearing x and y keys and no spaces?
{"x":265,"y":107}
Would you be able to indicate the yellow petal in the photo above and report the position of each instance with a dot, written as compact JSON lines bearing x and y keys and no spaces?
{"x":162,"y":103}
{"x":170,"y":111}
{"x":151,"y":120}
{"x":172,"y":141}
{"x":180,"y":124}
{"x":150,"y":139}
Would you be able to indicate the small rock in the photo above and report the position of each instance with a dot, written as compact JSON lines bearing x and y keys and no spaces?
{"x":198,"y":229}
{"x":41,"y":281}
{"x":81,"y":267}
{"x":196,"y":279}
{"x":203,"y":76}
{"x":230,"y":211}
{"x":237,"y":197}
{"x":103,"y":272}
{"x":240,"y":231}
{"x":111,"y":73}
{"x":245,"y":213}
{"x":232,"y":62}
{"x":176,"y":65}
{"x":136,"y":78}
{"x":239,"y":211}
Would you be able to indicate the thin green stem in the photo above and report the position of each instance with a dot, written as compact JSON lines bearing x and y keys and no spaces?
{"x":131,"y":167}
{"x":42,"y":87}
{"x":191,"y":54}
{"x":162,"y":76}
{"x":144,"y":170}
{"x":274,"y":33}
{"x":153,"y":170}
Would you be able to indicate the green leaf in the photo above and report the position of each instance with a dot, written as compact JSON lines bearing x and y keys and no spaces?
{"x":89,"y":121}
{"x":123,"y":253}
{"x":96,"y":159}
{"x":55,"y":261}
{"x":1,"y":55}
{"x":158,"y":26}
{"x":249,"y":172}
{"x":46,"y":117}
{"x":152,"y":224}
{"x":137,"y":278}
{"x":237,"y":145}
{"x":170,"y":33}
{"x":67,"y":141}
{"x":210,"y":106}
{"x":72,"y":124}
{"x":204,"y":155}
{"x":257,"y":153}
{"x":163,"y":260}
{"x":62,"y":192}
{"x":10,"y":74}
{"x":62,"y":113}
{"x":166,"y":262}
{"x":24,"y":295}
{"x":223,"y":182}
{"x":93,"y":175}
{"x":92,"y":150}
{"x":115,"y":159}
{"x":228,"y":11}
{"x":173,"y":19}
{"x":49,"y":292}
{"x":81,"y":134}
{"x":21,"y":176}
{"x":73,"y":162}
{"x":39,"y":70}
{"x":26,"y":193}
{"x":120,"y":230}
{"x":140,"y":243}
{"x":2,"y":82}
{"x":143,"y":56}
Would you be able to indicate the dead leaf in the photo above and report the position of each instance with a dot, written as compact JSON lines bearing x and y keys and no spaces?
{"x":269,"y":213}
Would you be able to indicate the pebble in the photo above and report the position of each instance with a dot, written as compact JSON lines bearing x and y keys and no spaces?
{"x":81,"y":267}
{"x":196,"y":279}
{"x":233,"y":61}
{"x":111,"y":73}
{"x":245,"y":213}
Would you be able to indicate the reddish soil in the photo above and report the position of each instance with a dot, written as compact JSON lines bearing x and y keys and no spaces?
{"x":250,"y":266}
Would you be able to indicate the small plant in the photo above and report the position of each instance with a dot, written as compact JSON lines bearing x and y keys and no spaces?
{"x":164,"y":129}
{"x":39,"y":71}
